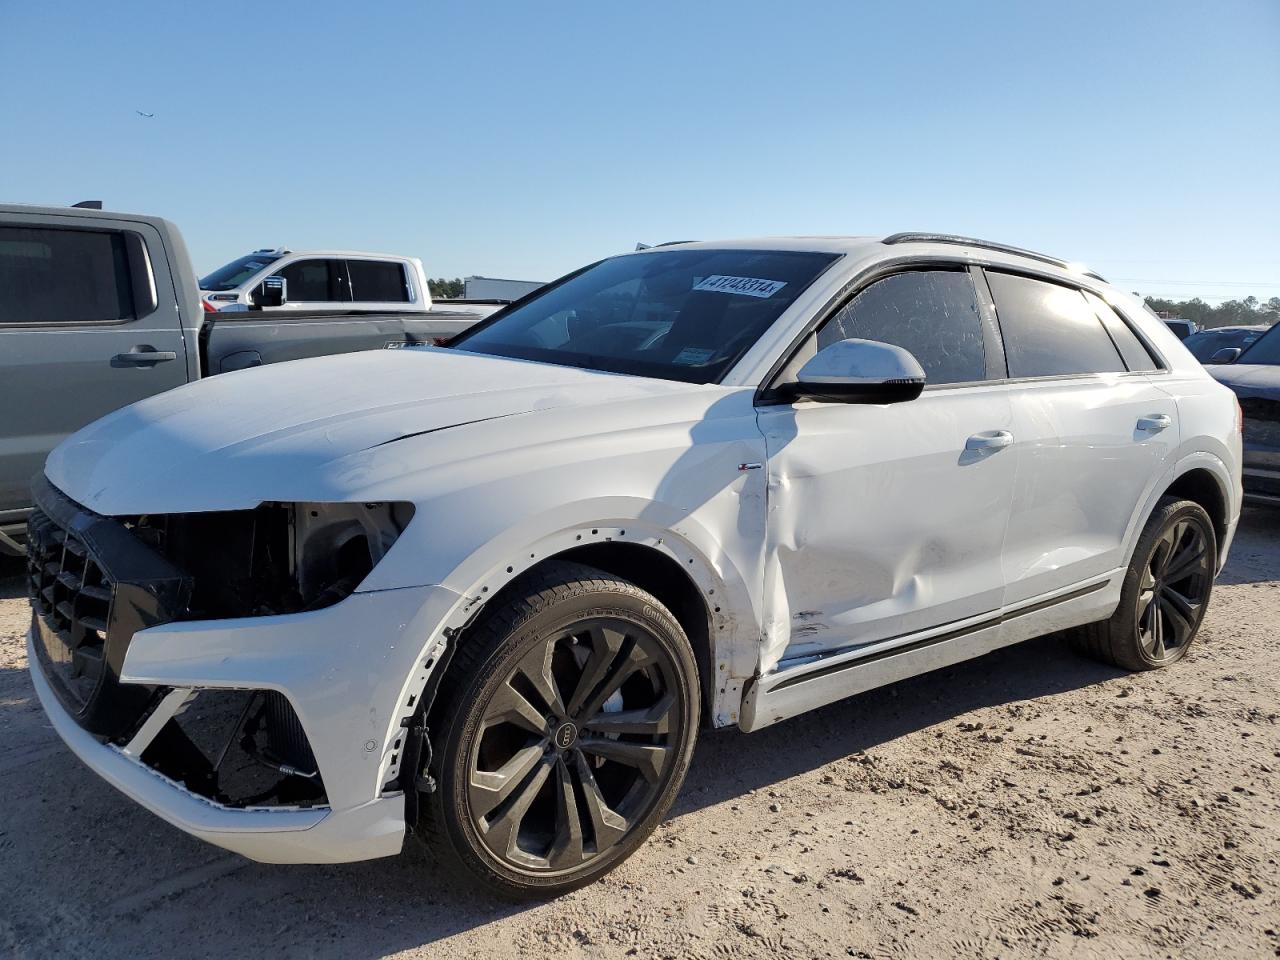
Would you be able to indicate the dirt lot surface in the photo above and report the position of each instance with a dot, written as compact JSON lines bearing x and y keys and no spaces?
{"x":1026,"y":804}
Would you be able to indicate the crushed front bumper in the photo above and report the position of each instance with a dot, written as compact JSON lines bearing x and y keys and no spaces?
{"x":315,"y":835}
{"x":344,"y":677}
{"x":346,"y":670}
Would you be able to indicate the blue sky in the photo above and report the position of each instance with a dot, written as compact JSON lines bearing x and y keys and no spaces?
{"x":524,"y":139}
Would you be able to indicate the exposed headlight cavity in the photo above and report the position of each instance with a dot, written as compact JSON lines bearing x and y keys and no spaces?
{"x":336,"y":545}
{"x":277,"y":558}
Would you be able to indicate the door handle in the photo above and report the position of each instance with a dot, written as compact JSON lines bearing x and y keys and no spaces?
{"x":142,"y":355}
{"x":992,"y":440}
{"x":1155,"y":423}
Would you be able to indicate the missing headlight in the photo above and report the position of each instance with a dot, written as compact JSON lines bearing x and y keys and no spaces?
{"x":336,"y":545}
{"x":277,"y":558}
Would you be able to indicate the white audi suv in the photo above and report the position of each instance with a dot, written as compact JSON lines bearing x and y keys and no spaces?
{"x":488,"y":593}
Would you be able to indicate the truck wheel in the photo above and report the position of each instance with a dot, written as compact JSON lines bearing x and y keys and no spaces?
{"x":1165,"y":593}
{"x":563,"y":733}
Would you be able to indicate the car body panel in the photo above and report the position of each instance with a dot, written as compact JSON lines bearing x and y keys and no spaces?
{"x":223,"y":441}
{"x":39,"y":362}
{"x":1084,"y":465}
{"x":861,"y":545}
{"x":236,"y":341}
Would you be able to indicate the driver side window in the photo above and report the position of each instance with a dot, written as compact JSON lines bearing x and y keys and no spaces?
{"x":932,"y":313}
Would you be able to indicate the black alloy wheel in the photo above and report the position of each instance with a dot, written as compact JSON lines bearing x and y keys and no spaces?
{"x":1174,"y":589}
{"x":1164,"y":594}
{"x":573,"y":747}
{"x":564,"y":730}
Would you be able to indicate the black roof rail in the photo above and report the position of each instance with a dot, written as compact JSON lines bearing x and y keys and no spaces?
{"x":984,"y":244}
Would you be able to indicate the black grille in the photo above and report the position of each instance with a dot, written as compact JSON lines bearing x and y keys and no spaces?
{"x":94,"y":584}
{"x":72,"y":595}
{"x":1263,"y":485}
{"x":1261,"y":424}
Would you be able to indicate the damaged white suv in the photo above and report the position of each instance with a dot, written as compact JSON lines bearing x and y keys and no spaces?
{"x":489,"y":593}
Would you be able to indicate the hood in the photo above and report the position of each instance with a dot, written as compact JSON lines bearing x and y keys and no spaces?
{"x":271,"y":432}
{"x":1248,"y":379}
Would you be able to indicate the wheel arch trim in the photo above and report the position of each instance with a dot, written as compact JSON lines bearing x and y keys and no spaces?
{"x":1228,"y":490}
{"x":733,"y":629}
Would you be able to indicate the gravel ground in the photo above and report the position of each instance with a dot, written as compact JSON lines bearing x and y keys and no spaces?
{"x":1026,"y":804}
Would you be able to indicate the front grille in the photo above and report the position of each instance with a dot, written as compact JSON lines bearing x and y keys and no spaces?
{"x":1261,"y":423}
{"x":95,"y":581}
{"x":93,"y":584}
{"x":1267,"y":485}
{"x":72,"y":595}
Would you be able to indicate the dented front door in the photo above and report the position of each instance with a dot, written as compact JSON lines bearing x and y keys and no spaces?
{"x":884,"y":520}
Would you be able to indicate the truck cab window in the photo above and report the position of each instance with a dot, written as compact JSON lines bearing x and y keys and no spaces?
{"x":378,"y":281}
{"x":50,"y":275}
{"x":316,"y":281}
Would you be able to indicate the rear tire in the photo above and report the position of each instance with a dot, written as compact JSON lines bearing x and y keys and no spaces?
{"x":563,"y":733}
{"x":1165,"y":594}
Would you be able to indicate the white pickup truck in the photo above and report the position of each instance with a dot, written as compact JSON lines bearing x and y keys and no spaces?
{"x":274,"y":279}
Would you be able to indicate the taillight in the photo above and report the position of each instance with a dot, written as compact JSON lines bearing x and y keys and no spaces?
{"x":1239,"y":417}
{"x":208,"y":307}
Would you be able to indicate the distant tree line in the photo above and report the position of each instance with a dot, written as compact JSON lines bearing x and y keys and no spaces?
{"x":1248,"y":311}
{"x":443,"y":289}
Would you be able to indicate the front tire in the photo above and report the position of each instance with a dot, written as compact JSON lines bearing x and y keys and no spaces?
{"x":1165,"y":594}
{"x":564,"y":731}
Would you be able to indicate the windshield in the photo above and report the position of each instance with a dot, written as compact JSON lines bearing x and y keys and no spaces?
{"x":672,"y":314}
{"x":237,"y":271}
{"x":1266,"y":349}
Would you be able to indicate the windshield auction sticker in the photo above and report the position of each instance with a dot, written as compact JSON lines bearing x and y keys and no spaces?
{"x":747,"y":286}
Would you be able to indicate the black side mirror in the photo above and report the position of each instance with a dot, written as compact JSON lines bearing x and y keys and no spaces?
{"x":858,"y":371}
{"x":271,"y":292}
{"x":1226,"y":355}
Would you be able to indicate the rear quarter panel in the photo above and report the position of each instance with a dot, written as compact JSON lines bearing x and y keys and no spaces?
{"x":1208,"y":435}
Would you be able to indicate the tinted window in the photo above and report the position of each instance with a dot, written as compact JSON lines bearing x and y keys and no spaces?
{"x":932,"y":313}
{"x":677,"y":314}
{"x":1050,"y":330}
{"x":315,"y":281}
{"x":63,"y":276}
{"x":1134,"y":354}
{"x":377,"y":281}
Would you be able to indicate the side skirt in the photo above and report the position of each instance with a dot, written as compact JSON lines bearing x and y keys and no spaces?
{"x":817,"y":683}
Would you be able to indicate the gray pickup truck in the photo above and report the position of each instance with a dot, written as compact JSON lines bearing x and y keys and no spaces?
{"x":100,"y":309}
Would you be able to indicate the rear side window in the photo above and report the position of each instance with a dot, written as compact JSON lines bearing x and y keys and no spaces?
{"x":931,"y":313}
{"x":377,"y":281}
{"x":1050,"y":330}
{"x":49,"y":275}
{"x":1134,"y":354}
{"x":315,"y":281}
